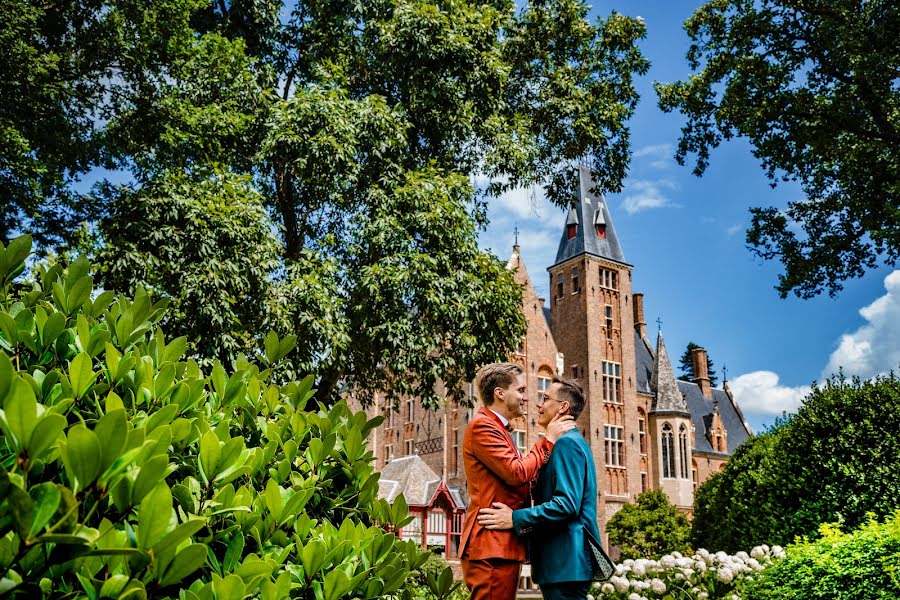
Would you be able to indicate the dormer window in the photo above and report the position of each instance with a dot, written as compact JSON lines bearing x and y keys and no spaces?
{"x":600,"y":223}
{"x":571,"y":230}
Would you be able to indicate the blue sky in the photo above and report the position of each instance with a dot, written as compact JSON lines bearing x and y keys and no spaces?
{"x":685,"y":237}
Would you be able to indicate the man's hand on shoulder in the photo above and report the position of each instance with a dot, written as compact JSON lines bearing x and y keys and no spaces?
{"x":498,"y":517}
{"x":558,"y":426}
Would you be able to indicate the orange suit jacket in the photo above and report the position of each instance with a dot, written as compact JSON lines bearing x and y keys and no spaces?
{"x":496,"y":473}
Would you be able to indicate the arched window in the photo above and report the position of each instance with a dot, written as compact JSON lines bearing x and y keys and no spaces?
{"x":683,"y":449}
{"x":668,"y":452}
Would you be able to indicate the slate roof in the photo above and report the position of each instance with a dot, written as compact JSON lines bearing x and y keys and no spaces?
{"x":589,"y":208}
{"x":666,"y":395}
{"x":699,"y":407}
{"x":412,"y":477}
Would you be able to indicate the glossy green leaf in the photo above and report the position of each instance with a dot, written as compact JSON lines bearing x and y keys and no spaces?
{"x":182,"y":532}
{"x":81,"y":374}
{"x":20,"y":411}
{"x":336,"y":584}
{"x":47,"y":431}
{"x":46,"y":498}
{"x":82,"y":455}
{"x":210,"y":450}
{"x":156,"y":517}
{"x":189,"y":559}
{"x":149,"y":476}
{"x":112,"y":429}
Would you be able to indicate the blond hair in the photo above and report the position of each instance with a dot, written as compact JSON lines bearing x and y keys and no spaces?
{"x":495,"y":375}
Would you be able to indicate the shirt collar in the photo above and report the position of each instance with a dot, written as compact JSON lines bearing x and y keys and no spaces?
{"x":503,"y":420}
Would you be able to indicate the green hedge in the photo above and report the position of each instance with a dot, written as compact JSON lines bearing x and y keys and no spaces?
{"x":128,"y":472}
{"x":860,"y":565}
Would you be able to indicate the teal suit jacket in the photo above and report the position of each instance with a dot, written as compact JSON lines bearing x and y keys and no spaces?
{"x":565,"y":504}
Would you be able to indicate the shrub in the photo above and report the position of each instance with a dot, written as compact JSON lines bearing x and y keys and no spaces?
{"x":861,"y":565}
{"x":649,"y":528}
{"x":129,"y":473}
{"x":835,"y":460}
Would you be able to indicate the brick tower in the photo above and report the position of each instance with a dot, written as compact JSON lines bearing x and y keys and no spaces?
{"x":593,"y":324}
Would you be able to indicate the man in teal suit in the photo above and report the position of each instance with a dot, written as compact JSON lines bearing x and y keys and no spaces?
{"x":565,"y":504}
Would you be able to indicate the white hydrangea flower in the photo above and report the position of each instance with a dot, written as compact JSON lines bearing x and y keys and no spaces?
{"x":754,"y":564}
{"x":703,"y":596}
{"x":742,"y":555}
{"x":684,"y":562}
{"x":778,"y":552}
{"x":639,"y":569}
{"x":621,"y":584}
{"x":667,"y":561}
{"x":658,"y":586}
{"x":757,"y":552}
{"x":725,"y":575}
{"x":688,"y":573}
{"x":679,"y":575}
{"x":608,"y":588}
{"x":596,"y":585}
{"x":765,"y":548}
{"x":634,"y":596}
{"x":589,"y":597}
{"x":677,"y":554}
{"x":700,"y":565}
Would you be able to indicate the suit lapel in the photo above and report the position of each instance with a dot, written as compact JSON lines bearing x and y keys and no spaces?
{"x":509,"y":439}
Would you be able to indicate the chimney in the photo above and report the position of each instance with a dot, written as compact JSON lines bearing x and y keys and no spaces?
{"x":701,"y":371}
{"x":638,"y":308}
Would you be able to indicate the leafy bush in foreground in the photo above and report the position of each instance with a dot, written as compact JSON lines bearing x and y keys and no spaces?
{"x":127,"y":472}
{"x":860,"y":565}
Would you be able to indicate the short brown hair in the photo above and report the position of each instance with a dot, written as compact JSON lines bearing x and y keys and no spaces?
{"x":495,"y":375}
{"x":570,"y":391}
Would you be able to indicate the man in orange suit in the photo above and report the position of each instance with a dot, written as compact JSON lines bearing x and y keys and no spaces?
{"x":496,"y":472}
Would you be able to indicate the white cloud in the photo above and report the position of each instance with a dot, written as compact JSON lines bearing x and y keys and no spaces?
{"x":760,"y":393}
{"x":524,"y":203}
{"x":734,"y":229}
{"x":660,"y":155}
{"x":874,"y":348}
{"x":645,"y":195}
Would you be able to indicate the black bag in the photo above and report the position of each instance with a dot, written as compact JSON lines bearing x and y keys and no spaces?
{"x":602,"y":566}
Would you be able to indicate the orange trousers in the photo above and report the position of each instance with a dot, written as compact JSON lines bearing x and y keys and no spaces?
{"x":491,"y":578}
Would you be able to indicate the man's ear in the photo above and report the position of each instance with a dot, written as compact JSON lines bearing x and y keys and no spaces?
{"x":564,"y":409}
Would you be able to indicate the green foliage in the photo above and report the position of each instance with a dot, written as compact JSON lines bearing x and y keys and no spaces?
{"x":203,"y":244}
{"x":358,"y":127}
{"x":813,"y":86}
{"x":859,"y":565}
{"x":649,"y":528}
{"x":129,"y":472}
{"x":686,"y":364}
{"x":835,"y":460}
{"x":741,"y":503}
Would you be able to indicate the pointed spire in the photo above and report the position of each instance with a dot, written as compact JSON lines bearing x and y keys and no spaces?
{"x":666,"y":395}
{"x":589,"y":228}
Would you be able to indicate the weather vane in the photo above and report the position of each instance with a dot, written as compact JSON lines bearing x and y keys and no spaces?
{"x":516,"y":234}
{"x":659,"y":324}
{"x":724,"y":372}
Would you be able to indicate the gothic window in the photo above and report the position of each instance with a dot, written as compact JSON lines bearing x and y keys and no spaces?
{"x":410,"y":410}
{"x":576,"y":286}
{"x":410,"y":445}
{"x":609,"y":323}
{"x":668,"y":452}
{"x":390,"y":414}
{"x":612,"y":381}
{"x":388,"y":453}
{"x":614,"y":446}
{"x":643,"y":482}
{"x":559,"y":285}
{"x":642,"y":433}
{"x":543,"y":384}
{"x":683,"y":450}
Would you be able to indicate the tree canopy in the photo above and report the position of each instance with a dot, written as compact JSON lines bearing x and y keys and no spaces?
{"x":834,"y":461}
{"x":815,"y":87}
{"x":308,"y":166}
{"x":686,"y":364}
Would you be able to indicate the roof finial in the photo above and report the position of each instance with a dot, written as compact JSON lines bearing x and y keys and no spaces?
{"x":724,"y":373}
{"x":658,"y":324}
{"x":516,"y":234}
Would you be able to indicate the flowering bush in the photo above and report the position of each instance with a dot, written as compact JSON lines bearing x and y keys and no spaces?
{"x":703,"y":576}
